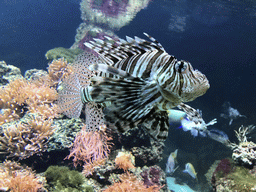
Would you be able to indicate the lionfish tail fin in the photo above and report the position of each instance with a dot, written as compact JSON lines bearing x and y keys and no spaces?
{"x":70,"y":100}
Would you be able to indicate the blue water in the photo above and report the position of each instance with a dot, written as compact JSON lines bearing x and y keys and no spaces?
{"x":217,"y":37}
{"x":28,"y":29}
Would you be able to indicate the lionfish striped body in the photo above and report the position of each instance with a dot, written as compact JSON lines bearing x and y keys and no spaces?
{"x":141,"y":81}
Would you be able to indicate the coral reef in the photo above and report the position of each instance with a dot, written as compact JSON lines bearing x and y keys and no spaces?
{"x":125,"y":160}
{"x":86,"y":32}
{"x":59,"y":69}
{"x":15,"y":178}
{"x":111,"y":13}
{"x":129,"y":182}
{"x":25,"y":139}
{"x":238,"y":180}
{"x":61,"y":178}
{"x":8,"y":73}
{"x":61,"y":52}
{"x":21,"y":95}
{"x":244,"y":153}
{"x":152,"y":176}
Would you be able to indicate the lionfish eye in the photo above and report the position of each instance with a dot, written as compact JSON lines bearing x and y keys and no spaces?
{"x":181,"y":66}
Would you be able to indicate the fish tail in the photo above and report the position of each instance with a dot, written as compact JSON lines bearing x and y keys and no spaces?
{"x":73,"y":91}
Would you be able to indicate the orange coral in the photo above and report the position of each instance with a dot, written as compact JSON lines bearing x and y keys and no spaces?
{"x":21,"y":93}
{"x":129,"y":183}
{"x":125,"y":160}
{"x":59,"y":69}
{"x":17,"y":179}
{"x":26,"y":139}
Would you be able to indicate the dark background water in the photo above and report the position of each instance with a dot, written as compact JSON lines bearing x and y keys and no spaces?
{"x":218,"y":38}
{"x":28,"y":29}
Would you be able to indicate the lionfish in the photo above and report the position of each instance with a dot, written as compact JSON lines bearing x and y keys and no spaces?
{"x":135,"y":80}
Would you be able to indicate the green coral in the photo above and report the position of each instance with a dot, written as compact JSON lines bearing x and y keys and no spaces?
{"x":62,"y":179}
{"x":244,"y":181}
{"x":61,"y":52}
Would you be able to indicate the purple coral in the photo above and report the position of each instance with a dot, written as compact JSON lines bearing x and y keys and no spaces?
{"x":111,"y":8}
{"x":151,"y":176}
{"x":223,"y":168}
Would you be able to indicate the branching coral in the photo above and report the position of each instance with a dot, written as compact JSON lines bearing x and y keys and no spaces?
{"x":25,"y":139}
{"x":16,"y":178}
{"x":245,"y":152}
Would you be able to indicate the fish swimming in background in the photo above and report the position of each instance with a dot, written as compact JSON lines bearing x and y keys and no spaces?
{"x":194,"y":121}
{"x":230,"y":112}
{"x":219,"y":136}
{"x":176,"y":116}
{"x":170,"y":165}
{"x":136,"y":79}
{"x":189,"y":168}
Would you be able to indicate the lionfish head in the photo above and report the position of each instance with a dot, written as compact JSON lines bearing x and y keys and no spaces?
{"x":192,"y":82}
{"x":186,"y":83}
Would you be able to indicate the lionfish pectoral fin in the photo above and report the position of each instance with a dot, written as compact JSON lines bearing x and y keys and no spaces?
{"x":109,"y":69}
{"x":157,"y":124}
{"x":131,"y":99}
{"x":69,"y":98}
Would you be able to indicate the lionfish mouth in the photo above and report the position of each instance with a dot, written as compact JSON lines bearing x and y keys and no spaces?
{"x":195,"y":84}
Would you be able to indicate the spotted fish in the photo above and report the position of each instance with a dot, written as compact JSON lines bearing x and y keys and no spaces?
{"x":138,"y":80}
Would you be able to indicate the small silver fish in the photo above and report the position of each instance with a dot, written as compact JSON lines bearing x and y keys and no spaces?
{"x":170,"y":165}
{"x":230,"y":112}
{"x":189,"y":168}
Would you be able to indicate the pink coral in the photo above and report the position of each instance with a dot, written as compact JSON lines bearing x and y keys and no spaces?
{"x":91,"y":148}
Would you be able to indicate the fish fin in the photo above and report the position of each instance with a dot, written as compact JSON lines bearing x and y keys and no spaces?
{"x":230,"y":122}
{"x":109,"y":69}
{"x":175,"y":169}
{"x":113,"y":50}
{"x":94,"y":116}
{"x":157,"y":124}
{"x":69,"y":99}
{"x":131,"y":99}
